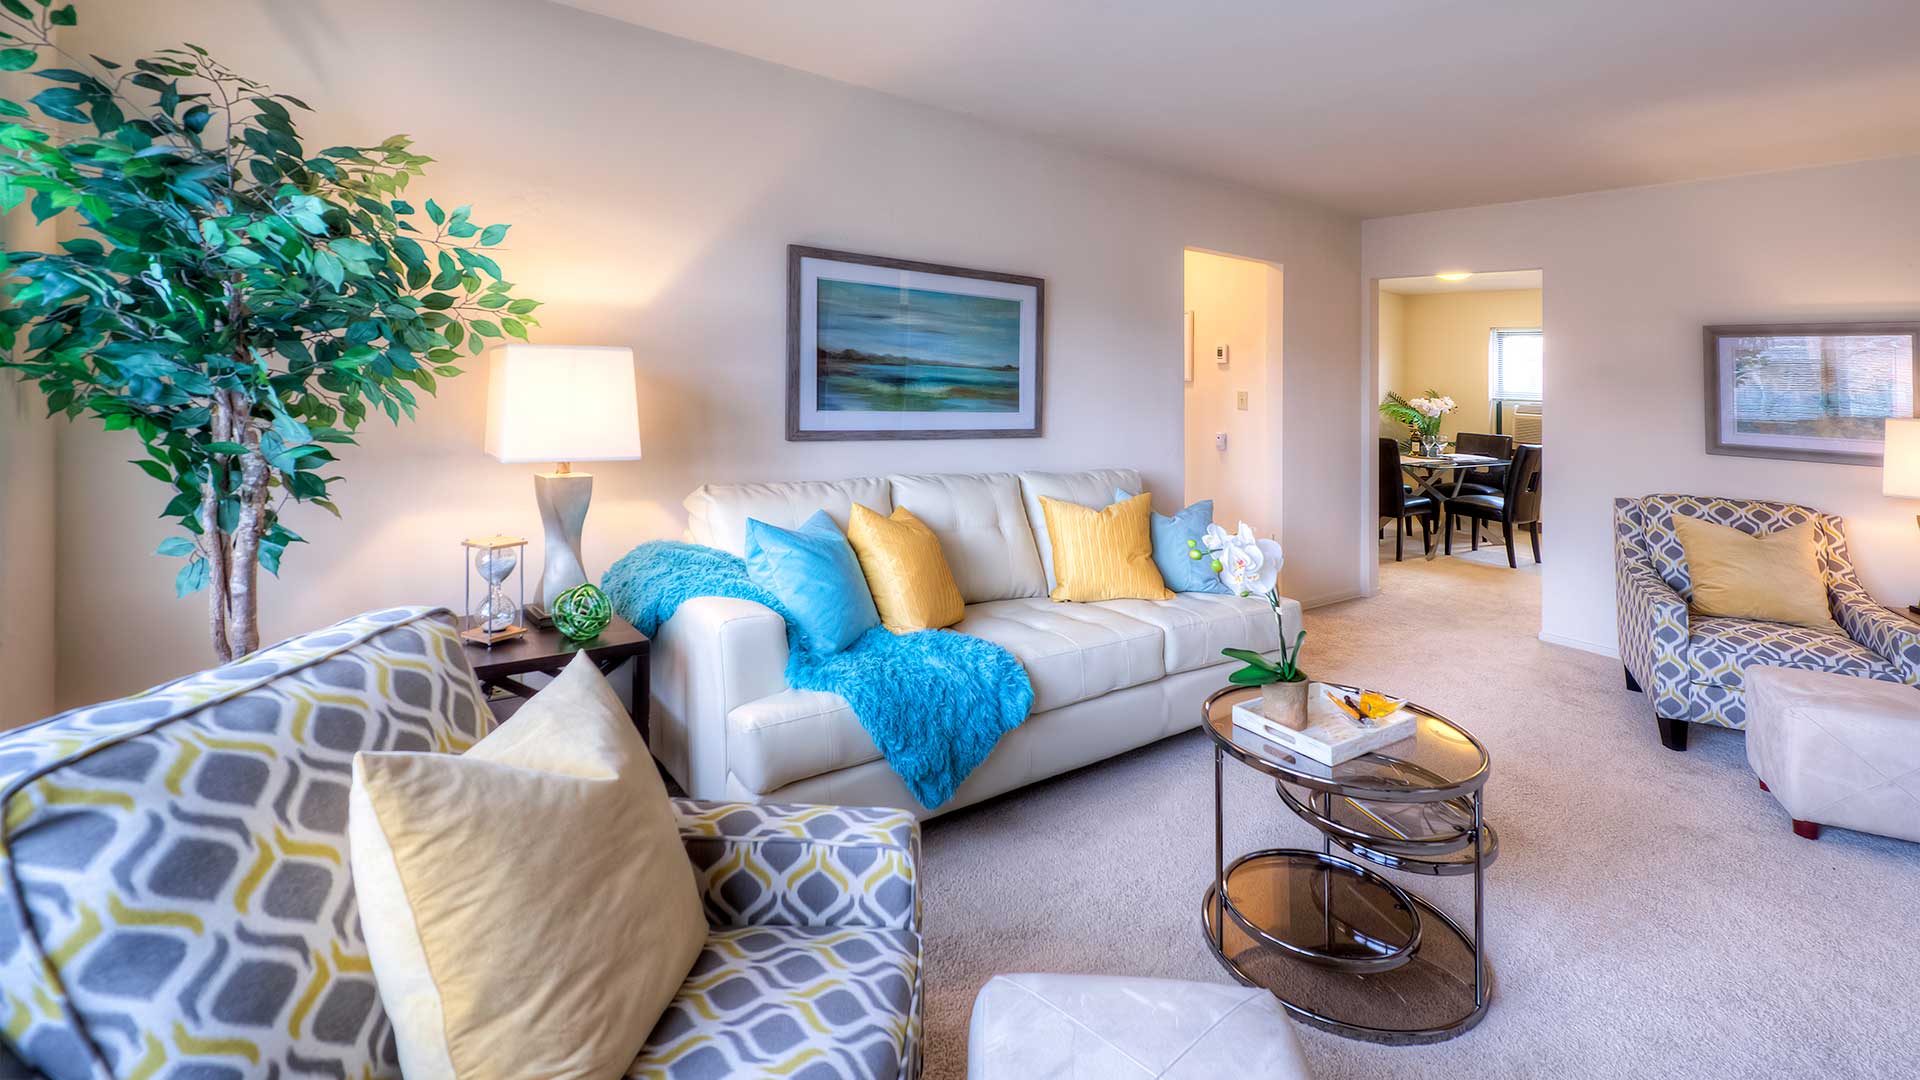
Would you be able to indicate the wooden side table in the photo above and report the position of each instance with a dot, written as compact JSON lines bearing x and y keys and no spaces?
{"x":547,"y":651}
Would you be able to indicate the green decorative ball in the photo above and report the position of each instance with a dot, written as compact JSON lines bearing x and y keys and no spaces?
{"x":582,"y":612}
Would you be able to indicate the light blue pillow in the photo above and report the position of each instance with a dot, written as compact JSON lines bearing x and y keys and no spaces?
{"x":815,"y":574}
{"x":1173,"y":555}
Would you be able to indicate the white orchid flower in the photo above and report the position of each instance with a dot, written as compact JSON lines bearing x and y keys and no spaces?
{"x":1247,"y":564}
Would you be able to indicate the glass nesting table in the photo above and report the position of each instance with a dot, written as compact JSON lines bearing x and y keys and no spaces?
{"x":1340,"y":945}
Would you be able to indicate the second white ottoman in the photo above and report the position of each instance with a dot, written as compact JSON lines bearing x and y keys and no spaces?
{"x":1099,"y":1027}
{"x":1836,"y":750}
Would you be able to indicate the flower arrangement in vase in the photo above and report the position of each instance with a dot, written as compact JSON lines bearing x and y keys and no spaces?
{"x":1422,"y":416}
{"x":1250,"y":566}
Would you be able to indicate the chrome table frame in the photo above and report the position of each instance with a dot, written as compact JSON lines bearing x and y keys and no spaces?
{"x":1445,"y":857}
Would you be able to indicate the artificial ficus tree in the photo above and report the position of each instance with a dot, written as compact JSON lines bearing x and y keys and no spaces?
{"x":238,"y":303}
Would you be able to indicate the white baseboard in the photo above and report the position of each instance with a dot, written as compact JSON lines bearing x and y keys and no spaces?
{"x":1331,"y":598}
{"x":1598,"y":649}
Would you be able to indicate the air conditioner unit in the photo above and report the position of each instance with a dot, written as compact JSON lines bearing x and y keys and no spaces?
{"x":1526,"y":421}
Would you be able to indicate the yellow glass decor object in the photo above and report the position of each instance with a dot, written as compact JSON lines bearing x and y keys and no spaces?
{"x":1104,"y":554}
{"x":1775,"y":577}
{"x":1377,"y":705}
{"x":906,"y":571}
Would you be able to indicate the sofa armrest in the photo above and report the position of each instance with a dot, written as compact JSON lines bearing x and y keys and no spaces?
{"x":716,"y":654}
{"x":768,"y":864}
{"x":1654,"y":633}
{"x":1894,"y":636}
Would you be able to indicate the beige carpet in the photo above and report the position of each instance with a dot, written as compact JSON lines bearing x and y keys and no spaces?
{"x":1651,"y":913}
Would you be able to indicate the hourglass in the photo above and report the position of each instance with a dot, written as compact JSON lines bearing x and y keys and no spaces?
{"x":496,"y":617}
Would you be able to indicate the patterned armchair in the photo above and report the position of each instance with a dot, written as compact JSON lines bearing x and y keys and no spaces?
{"x":175,"y":899}
{"x":1693,"y":666}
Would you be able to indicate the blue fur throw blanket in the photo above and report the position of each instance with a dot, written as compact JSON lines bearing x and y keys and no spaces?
{"x":934,"y":701}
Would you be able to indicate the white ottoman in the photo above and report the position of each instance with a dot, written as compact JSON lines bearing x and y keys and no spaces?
{"x":1836,"y":750}
{"x":1097,"y":1027}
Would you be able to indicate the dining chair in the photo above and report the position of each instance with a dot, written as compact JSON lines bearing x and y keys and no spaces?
{"x":1398,"y":506}
{"x":1518,"y":504}
{"x":1491,"y":480}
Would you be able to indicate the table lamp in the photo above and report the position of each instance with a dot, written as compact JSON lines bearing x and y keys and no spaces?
{"x":561,"y":403}
{"x":1900,"y":474}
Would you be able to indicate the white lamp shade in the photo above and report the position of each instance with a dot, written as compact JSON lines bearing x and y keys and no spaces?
{"x":562,"y":403}
{"x":1901,"y":474}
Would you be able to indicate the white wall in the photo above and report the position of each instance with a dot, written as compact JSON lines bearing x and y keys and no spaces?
{"x":1443,"y":346}
{"x":653,"y":186}
{"x":1632,"y":277}
{"x":1230,"y":300}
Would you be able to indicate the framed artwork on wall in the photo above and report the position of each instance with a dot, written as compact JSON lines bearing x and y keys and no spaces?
{"x":1809,"y":391}
{"x":881,"y":348}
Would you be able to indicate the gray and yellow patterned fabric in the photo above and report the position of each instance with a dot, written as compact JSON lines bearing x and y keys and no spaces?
{"x":1691,"y":666}
{"x":813,"y":969}
{"x":176,"y":900}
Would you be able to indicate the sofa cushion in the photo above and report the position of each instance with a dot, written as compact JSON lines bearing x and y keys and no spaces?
{"x":793,"y":735}
{"x":982,"y":525}
{"x":174,"y":866}
{"x":1721,"y":649}
{"x":792,"y":1001}
{"x":1072,"y":652}
{"x":717,"y":513}
{"x":1093,"y":488}
{"x":1196,"y":626}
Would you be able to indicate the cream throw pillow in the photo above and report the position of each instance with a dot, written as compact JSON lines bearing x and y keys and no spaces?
{"x":528,"y":906}
{"x":1775,"y":577}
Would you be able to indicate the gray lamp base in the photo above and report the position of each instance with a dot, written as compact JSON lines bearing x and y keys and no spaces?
{"x":563,"y":499}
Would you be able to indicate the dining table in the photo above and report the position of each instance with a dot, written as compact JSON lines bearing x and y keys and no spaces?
{"x":1440,"y":477}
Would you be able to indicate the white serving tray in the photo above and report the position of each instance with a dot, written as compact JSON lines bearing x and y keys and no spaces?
{"x":1331,"y":736}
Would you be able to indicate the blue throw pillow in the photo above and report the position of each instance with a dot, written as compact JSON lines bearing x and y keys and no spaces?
{"x":813,"y":571}
{"x":1174,"y":556}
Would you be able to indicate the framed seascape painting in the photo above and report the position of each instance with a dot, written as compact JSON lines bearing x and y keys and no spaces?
{"x":890,"y":349}
{"x":1815,"y":392}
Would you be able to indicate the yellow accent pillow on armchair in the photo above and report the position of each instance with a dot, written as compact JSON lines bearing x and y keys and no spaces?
{"x":906,"y":571}
{"x":1775,"y":577}
{"x":1103,"y":554}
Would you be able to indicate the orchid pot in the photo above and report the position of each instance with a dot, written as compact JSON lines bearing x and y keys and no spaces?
{"x":1286,"y":702}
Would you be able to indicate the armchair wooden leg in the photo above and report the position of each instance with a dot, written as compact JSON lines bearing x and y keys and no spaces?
{"x":1632,"y":683}
{"x":1506,"y":530}
{"x":1426,"y":534}
{"x":1533,"y":532}
{"x":1673,"y":733}
{"x":1806,"y":830}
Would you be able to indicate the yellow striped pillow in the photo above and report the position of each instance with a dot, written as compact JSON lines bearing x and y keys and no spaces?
{"x":1104,"y":554}
{"x":906,"y":571}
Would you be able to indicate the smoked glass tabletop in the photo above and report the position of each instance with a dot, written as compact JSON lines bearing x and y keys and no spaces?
{"x":1439,"y":761}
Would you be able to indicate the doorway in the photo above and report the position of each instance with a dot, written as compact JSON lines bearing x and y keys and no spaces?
{"x":1234,"y":312}
{"x":1470,"y":347}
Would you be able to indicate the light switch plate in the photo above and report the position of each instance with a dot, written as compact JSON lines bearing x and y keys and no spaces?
{"x":1240,"y":400}
{"x":1220,"y":354}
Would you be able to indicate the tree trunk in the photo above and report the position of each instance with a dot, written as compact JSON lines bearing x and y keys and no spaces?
{"x":243,"y":603}
{"x":213,"y":539}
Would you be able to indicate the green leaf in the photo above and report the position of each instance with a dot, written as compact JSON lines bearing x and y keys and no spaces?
{"x":434,"y":213}
{"x":1248,"y":656}
{"x":195,"y":119}
{"x":514,"y":328}
{"x":175,"y":546}
{"x":16,"y":60}
{"x":156,"y":470}
{"x":493,"y":234}
{"x":1253,"y":676}
{"x":63,"y":17}
{"x":329,"y":268}
{"x":484,"y":328}
{"x":191,"y":578}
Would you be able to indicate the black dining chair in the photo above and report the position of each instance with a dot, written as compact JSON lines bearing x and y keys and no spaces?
{"x":1491,"y":480}
{"x":1397,"y":506}
{"x":1518,"y":504}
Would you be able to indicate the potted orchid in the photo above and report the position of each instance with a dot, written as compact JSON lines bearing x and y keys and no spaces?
{"x":1250,"y":566}
{"x":1422,"y":417}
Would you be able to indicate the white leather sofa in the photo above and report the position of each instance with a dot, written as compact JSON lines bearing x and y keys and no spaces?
{"x":1107,"y":677}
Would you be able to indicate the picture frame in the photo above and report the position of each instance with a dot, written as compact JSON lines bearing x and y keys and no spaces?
{"x":1809,"y":391}
{"x":885,"y":348}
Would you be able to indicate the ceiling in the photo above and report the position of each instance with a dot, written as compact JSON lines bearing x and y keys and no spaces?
{"x":1499,"y":279}
{"x":1383,"y":106}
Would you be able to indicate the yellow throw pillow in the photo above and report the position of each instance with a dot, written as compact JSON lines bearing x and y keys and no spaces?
{"x":529,"y":909}
{"x":1775,"y":577}
{"x":906,"y":571}
{"x":1104,"y":554}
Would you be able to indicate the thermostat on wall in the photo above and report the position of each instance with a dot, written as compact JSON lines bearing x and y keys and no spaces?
{"x":1220,"y":355}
